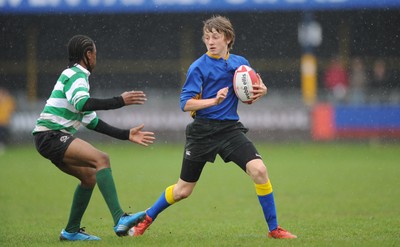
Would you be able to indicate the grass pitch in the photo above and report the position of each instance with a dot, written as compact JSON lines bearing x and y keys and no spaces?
{"x":327,"y":194}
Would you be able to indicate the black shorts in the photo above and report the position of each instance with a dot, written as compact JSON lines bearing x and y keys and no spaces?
{"x":206,"y":138}
{"x":52,"y":145}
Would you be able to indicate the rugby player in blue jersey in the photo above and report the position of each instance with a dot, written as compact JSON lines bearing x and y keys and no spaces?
{"x":209,"y":95}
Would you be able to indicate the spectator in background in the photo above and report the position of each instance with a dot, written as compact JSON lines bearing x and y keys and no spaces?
{"x":7,"y":108}
{"x":336,"y":80}
{"x":380,"y":84}
{"x":358,"y":81}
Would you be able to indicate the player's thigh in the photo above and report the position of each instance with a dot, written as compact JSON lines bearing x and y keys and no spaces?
{"x":191,"y":170}
{"x":82,"y":153}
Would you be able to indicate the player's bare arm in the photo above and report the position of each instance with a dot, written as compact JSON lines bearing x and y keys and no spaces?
{"x":141,"y":137}
{"x":134,"y":97}
{"x":259,"y":90}
{"x":198,"y":104}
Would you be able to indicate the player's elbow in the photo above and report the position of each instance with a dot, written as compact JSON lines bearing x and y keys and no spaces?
{"x":183,"y":105}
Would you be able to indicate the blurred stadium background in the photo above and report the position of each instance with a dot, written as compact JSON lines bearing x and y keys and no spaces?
{"x":148,"y":45}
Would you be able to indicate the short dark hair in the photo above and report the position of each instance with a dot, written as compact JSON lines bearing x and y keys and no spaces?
{"x":78,"y":45}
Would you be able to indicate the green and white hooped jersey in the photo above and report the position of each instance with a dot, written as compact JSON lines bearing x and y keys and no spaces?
{"x":63,"y":110}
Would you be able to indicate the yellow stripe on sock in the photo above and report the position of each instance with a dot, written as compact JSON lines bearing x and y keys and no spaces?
{"x":169,"y":195}
{"x":264,"y":189}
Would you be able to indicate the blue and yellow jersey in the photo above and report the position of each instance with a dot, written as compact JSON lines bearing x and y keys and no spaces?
{"x":205,"y":77}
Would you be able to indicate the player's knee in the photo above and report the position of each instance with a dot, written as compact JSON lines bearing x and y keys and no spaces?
{"x":261,"y":171}
{"x":257,"y":170}
{"x":102,"y":161}
{"x":88,"y":180}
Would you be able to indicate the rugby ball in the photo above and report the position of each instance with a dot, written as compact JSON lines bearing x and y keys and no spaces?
{"x":243,"y":81}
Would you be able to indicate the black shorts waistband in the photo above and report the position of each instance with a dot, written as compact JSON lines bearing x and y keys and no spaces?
{"x":208,"y":120}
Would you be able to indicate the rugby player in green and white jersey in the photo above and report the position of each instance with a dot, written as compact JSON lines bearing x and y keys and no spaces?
{"x":69,"y":107}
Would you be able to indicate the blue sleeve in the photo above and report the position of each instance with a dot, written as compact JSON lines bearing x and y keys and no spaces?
{"x":192,"y":86}
{"x":246,"y":62}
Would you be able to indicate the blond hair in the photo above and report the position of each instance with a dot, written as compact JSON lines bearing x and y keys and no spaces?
{"x":222,"y":25}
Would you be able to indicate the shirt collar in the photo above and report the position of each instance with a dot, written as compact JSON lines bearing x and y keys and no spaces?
{"x":87,"y":72}
{"x":218,"y":57}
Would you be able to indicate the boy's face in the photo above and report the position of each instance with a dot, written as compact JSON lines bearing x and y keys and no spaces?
{"x":92,"y":56}
{"x":216,"y":43}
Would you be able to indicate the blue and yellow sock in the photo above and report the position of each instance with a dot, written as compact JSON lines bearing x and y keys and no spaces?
{"x":267,"y":201}
{"x":164,"y":201}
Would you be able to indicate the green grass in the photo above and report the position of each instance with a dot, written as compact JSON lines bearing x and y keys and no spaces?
{"x":327,"y":194}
